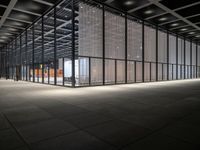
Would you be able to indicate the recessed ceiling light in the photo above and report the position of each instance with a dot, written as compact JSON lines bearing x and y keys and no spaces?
{"x":163,"y":19}
{"x":184,"y":29}
{"x":148,"y":12}
{"x":198,"y":36}
{"x":192,"y":33}
{"x":7,"y":33}
{"x":129,"y":2}
{"x":12,"y":29}
{"x":174,"y":24}
{"x":4,"y":37}
{"x":2,"y":40}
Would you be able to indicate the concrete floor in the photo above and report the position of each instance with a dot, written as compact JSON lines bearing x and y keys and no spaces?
{"x":158,"y":116}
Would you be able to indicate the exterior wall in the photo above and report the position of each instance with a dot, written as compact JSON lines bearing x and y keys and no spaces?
{"x":96,"y":45}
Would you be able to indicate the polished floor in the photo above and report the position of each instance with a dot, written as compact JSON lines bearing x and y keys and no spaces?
{"x":157,"y":116}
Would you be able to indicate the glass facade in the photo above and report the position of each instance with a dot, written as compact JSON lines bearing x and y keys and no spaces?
{"x":86,"y":43}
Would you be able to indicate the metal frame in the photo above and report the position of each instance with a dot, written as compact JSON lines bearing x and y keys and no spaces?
{"x":54,"y":32}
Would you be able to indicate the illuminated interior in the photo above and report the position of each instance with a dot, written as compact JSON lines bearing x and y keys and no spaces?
{"x":89,"y":43}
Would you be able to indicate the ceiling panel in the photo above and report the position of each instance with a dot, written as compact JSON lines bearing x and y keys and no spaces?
{"x":32,"y":6}
{"x":22,"y":16}
{"x":127,"y":5}
{"x":148,"y":11}
{"x":163,"y":18}
{"x":174,"y":4}
{"x":189,"y":11}
{"x":195,"y":19}
{"x":4,"y":2}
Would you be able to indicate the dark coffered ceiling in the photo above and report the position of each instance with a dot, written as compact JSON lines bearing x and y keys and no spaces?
{"x":179,"y":16}
{"x":16,"y":15}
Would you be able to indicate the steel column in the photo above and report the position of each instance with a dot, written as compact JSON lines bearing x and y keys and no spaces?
{"x":73,"y":44}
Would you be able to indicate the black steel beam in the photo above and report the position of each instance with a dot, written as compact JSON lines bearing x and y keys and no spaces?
{"x":33,"y":55}
{"x":190,"y":59}
{"x":184,"y":59}
{"x":26,"y":49}
{"x":156,"y":53}
{"x":55,"y":49}
{"x":73,"y":44}
{"x":176,"y":57}
{"x":167,"y":55}
{"x":42,"y":49}
{"x":103,"y":30}
{"x":143,"y":70}
{"x":196,"y":60}
{"x":126,"y":47}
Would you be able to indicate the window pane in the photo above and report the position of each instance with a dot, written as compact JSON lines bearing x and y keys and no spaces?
{"x":134,"y":39}
{"x":114,"y":36}
{"x":150,"y":44}
{"x":90,"y":31}
{"x":162,"y":47}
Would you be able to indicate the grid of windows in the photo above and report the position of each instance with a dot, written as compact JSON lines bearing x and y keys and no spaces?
{"x":98,"y":46}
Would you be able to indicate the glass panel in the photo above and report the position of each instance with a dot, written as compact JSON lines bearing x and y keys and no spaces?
{"x":153,"y":71}
{"x":160,"y":72}
{"x":130,"y":71}
{"x":110,"y":71}
{"x":96,"y":71}
{"x":198,"y":53}
{"x":138,"y":71}
{"x":83,"y":72}
{"x":114,"y":36}
{"x":90,"y":31}
{"x":146,"y":72}
{"x":63,"y":41}
{"x":193,"y":54}
{"x":38,"y":51}
{"x":172,"y":49}
{"x":180,"y":51}
{"x":150,"y":44}
{"x":30,"y":53}
{"x":134,"y":40}
{"x":120,"y":71}
{"x":162,"y":47}
{"x":49,"y":47}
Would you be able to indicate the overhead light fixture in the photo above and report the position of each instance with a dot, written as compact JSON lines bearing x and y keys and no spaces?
{"x":7,"y":33}
{"x":4,"y":37}
{"x":192,"y":33}
{"x":174,"y":24}
{"x":198,"y":36}
{"x":148,"y":12}
{"x":129,"y":2}
{"x":184,"y":29}
{"x":12,"y":29}
{"x":2,"y":40}
{"x":163,"y":19}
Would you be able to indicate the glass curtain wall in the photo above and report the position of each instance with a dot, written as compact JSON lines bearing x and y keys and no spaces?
{"x":134,"y":50}
{"x":162,"y":55}
{"x":193,"y":65}
{"x":172,"y":57}
{"x":149,"y":54}
{"x":23,"y":56}
{"x":38,"y":51}
{"x":96,"y":45}
{"x":114,"y":48}
{"x":198,"y":61}
{"x":90,"y":42}
{"x":30,"y":54}
{"x":63,"y":43}
{"x":187,"y":59}
{"x":180,"y":58}
{"x":49,"y":75}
